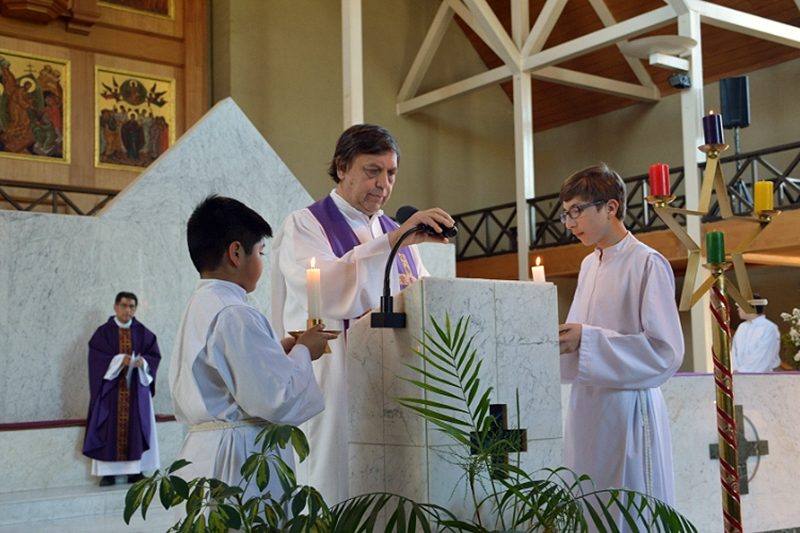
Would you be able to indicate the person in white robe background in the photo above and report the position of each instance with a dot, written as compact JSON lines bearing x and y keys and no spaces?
{"x":757,"y":341}
{"x":350,"y":239}
{"x":622,"y":339}
{"x":230,"y":375}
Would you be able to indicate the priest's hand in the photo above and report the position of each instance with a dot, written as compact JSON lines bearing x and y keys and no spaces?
{"x":126,"y":361}
{"x":436,"y":218}
{"x":288,"y":343}
{"x":316,"y":339}
{"x":569,"y":338}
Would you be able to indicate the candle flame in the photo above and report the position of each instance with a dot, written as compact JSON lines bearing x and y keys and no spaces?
{"x":313,"y":262}
{"x":538,"y":260}
{"x":710,"y":111}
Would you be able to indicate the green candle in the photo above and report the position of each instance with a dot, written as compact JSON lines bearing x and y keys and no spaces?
{"x":715,"y":247}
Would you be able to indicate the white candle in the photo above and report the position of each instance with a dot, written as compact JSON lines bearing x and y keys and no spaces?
{"x":537,"y":271}
{"x":314,"y":294}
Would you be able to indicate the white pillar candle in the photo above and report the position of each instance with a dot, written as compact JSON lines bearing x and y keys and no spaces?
{"x":314,"y":294}
{"x":537,"y":272}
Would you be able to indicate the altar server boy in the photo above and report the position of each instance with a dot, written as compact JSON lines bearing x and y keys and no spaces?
{"x":230,"y":375}
{"x":622,"y":340}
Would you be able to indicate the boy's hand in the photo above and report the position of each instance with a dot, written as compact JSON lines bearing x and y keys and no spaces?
{"x":315,"y":339}
{"x":288,"y":343}
{"x":569,"y":338}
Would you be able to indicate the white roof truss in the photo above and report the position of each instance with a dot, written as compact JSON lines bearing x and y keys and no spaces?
{"x":523,"y":51}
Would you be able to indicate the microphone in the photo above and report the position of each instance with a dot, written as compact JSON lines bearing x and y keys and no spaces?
{"x":386,"y":317}
{"x":405,"y":212}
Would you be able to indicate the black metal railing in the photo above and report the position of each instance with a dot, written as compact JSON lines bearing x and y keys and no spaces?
{"x":493,"y":230}
{"x":65,"y":199}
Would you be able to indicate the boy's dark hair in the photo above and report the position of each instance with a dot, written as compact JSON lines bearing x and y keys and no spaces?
{"x":361,"y":139}
{"x":128,"y":295}
{"x":595,"y":183}
{"x":217,"y":222}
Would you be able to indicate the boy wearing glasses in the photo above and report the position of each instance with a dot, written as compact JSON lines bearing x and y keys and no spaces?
{"x":622,"y":340}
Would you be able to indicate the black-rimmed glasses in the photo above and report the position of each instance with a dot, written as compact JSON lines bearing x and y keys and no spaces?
{"x":575,"y":211}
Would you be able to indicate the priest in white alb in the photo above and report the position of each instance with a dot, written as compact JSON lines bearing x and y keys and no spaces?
{"x":350,"y":239}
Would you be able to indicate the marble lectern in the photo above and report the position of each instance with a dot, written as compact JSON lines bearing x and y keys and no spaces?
{"x":515,"y":327}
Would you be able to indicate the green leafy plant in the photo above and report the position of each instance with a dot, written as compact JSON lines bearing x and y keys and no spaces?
{"x":504,"y":497}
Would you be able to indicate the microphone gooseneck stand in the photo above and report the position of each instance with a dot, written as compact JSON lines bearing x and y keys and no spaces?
{"x":386,"y":317}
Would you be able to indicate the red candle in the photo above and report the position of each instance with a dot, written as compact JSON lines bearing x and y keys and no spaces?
{"x":659,"y":179}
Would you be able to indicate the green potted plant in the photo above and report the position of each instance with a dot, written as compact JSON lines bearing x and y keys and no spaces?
{"x":457,"y":403}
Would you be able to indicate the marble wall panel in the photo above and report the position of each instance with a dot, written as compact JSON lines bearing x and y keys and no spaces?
{"x":367,"y":469}
{"x":59,"y":284}
{"x":407,"y":472}
{"x":767,"y":400}
{"x":527,"y":356}
{"x":49,"y":458}
{"x":401,"y":424}
{"x":365,"y":383}
{"x":456,"y":299}
{"x":435,"y":459}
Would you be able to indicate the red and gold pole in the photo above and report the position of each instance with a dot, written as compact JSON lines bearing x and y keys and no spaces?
{"x":723,"y":379}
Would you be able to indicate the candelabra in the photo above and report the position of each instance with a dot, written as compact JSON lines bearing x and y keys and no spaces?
{"x":719,"y":288}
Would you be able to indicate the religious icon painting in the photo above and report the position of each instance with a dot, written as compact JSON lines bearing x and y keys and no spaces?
{"x":162,"y":8}
{"x":135,"y":118}
{"x":34,"y":107}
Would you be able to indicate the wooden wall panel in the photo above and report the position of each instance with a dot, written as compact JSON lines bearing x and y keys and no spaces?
{"x":174,"y":48}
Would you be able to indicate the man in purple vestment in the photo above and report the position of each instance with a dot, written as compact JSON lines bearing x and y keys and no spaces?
{"x":350,"y":240}
{"x":120,"y":426}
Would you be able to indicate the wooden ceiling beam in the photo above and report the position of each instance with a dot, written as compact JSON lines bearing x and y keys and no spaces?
{"x":636,"y":66}
{"x":466,"y":15}
{"x":681,"y":7}
{"x":426,"y":52}
{"x":752,"y":25}
{"x":601,"y":38}
{"x":520,"y":21}
{"x":504,"y":46}
{"x":543,"y":26}
{"x":598,"y":84}
{"x":490,"y":77}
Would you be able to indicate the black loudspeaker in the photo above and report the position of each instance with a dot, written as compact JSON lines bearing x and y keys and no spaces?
{"x":734,"y":96}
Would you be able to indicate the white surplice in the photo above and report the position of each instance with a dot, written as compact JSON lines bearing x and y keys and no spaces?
{"x":351,"y":286}
{"x":756,"y":346}
{"x":617,"y":425}
{"x":229,"y":377}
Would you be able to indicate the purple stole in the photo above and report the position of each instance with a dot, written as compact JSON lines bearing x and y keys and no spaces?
{"x":342,"y":238}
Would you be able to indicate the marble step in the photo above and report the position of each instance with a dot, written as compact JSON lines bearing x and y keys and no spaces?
{"x":33,"y":510}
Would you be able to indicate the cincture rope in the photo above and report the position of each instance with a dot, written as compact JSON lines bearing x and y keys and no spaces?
{"x":216,"y":425}
{"x":648,"y":452}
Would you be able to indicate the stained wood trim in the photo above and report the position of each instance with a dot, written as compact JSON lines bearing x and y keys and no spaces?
{"x":62,"y":423}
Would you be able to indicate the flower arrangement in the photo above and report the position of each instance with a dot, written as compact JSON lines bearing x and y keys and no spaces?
{"x":791,"y":339}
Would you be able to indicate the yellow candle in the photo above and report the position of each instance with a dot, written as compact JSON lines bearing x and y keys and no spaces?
{"x":314,"y":294}
{"x":537,"y":271}
{"x":763,"y":196}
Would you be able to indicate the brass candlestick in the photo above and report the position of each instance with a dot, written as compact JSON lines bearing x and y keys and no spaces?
{"x":310,"y":323}
{"x":720,"y":309}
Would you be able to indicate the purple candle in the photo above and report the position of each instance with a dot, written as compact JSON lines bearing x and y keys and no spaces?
{"x":712,"y":128}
